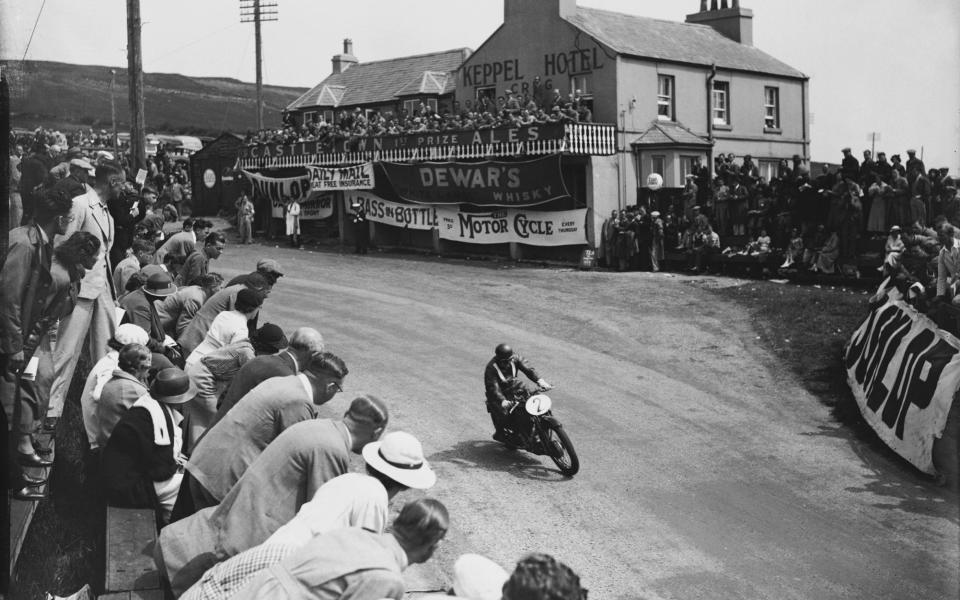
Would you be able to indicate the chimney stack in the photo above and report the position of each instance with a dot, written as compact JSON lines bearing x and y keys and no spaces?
{"x":538,"y":8}
{"x":733,"y":21}
{"x":342,"y":62}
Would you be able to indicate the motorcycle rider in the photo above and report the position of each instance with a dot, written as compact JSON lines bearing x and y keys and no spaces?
{"x":500,"y":380}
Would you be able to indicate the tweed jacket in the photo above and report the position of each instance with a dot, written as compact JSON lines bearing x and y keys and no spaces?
{"x":271,"y":491}
{"x":253,"y":374}
{"x":226,"y":450}
{"x":25,"y":284}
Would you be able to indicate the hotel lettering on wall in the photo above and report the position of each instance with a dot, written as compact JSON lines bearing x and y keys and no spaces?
{"x":509,"y":74}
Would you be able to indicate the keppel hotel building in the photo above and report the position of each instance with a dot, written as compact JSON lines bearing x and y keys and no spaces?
{"x":662,"y":94}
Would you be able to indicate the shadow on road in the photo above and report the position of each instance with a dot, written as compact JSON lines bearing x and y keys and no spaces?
{"x":493,"y":456}
{"x":909,"y":489}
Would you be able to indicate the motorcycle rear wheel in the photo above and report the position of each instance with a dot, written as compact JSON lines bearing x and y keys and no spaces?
{"x":567,"y":461}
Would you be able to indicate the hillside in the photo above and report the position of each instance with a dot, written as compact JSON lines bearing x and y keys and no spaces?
{"x":62,"y":95}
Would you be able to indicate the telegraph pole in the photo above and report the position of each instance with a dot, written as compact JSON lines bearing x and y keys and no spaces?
{"x":256,"y":12}
{"x":138,"y":159}
{"x":113,"y":110}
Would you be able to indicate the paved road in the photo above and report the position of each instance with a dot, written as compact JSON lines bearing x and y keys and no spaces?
{"x":708,"y":471}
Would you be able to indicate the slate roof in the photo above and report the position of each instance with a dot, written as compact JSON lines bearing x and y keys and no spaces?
{"x":383,"y":80}
{"x":672,"y":41}
{"x":664,"y":133}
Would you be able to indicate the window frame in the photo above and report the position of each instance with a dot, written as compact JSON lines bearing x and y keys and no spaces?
{"x":668,"y":100}
{"x":663,"y":165}
{"x":581,"y":82}
{"x":328,"y":117}
{"x":774,"y":107}
{"x":309,"y":116}
{"x":720,"y":87}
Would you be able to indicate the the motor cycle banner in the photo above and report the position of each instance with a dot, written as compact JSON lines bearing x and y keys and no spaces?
{"x":555,"y":228}
{"x":313,"y":206}
{"x":489,"y":183}
{"x":904,"y":372}
{"x":411,"y":216}
{"x":358,"y":177}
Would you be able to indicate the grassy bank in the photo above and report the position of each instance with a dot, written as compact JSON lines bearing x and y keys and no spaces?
{"x":64,"y":546}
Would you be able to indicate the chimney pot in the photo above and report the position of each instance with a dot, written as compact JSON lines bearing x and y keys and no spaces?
{"x":348,"y":46}
{"x":713,"y":4}
{"x":703,"y":5}
{"x":723,"y":5}
{"x":735,"y":3}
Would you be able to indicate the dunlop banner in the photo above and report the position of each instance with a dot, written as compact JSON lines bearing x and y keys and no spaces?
{"x":391,"y":213}
{"x":323,"y":179}
{"x":312,"y":206}
{"x":904,"y":372}
{"x":556,"y":228}
{"x":275,"y":189}
{"x":488,"y":183}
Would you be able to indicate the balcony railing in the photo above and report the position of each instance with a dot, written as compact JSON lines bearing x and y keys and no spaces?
{"x":569,"y":138}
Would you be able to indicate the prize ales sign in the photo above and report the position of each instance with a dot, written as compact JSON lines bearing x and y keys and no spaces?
{"x":555,"y":228}
{"x":904,"y":372}
{"x":488,"y":183}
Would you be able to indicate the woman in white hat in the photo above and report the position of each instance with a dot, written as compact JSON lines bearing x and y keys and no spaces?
{"x":142,"y":464}
{"x":394,"y":464}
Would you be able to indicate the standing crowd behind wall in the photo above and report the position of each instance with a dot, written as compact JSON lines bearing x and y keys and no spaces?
{"x":817,"y":220}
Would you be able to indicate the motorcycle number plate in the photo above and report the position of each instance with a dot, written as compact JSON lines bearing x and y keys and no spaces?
{"x":538,"y":404}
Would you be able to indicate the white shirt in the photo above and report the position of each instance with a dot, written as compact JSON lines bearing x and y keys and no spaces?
{"x":350,"y":500}
{"x":228,"y":327}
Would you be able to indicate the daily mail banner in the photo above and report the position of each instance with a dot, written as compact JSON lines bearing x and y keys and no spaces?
{"x":323,"y":179}
{"x":556,"y":228}
{"x":312,"y":206}
{"x":488,"y":183}
{"x":904,"y":372}
{"x":391,"y":213}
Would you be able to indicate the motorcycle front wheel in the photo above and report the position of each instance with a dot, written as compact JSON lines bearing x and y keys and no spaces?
{"x":561,"y":450}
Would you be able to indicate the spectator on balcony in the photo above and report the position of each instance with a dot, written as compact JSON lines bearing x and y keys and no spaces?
{"x":914,"y":164}
{"x":879,"y":193}
{"x":900,"y":198}
{"x":850,"y":166}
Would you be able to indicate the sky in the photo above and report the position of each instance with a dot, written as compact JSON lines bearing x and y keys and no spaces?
{"x":885,"y":66}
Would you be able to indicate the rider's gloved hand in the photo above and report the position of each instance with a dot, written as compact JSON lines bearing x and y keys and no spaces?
{"x":544,"y":385}
{"x":506,"y":405}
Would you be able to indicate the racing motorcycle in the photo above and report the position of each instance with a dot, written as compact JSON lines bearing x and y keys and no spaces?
{"x":546,"y":434}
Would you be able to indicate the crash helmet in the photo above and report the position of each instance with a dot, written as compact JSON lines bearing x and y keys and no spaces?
{"x":503,"y":352}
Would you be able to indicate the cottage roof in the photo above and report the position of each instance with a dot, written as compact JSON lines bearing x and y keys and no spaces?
{"x":691,"y":43}
{"x":669,"y":133}
{"x":383,"y":80}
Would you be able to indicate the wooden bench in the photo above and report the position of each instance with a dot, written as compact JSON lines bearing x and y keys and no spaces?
{"x":21,"y":511}
{"x":131,"y":573}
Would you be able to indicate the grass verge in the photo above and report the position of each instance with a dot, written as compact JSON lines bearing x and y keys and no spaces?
{"x":63,"y":549}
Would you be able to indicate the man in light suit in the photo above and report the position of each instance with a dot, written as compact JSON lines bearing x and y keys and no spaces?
{"x":285,"y":476}
{"x":226,"y":450}
{"x":96,"y":304}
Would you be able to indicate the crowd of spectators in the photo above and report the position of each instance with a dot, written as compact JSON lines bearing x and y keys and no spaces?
{"x":195,"y":410}
{"x":814,"y":221}
{"x":511,"y":110}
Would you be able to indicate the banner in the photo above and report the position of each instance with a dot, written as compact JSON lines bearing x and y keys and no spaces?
{"x":275,"y":189}
{"x":392,"y":213}
{"x":488,"y":183}
{"x":480,"y":137}
{"x":904,"y":372}
{"x":312,"y":206}
{"x":557,"y":228}
{"x":359,"y":177}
